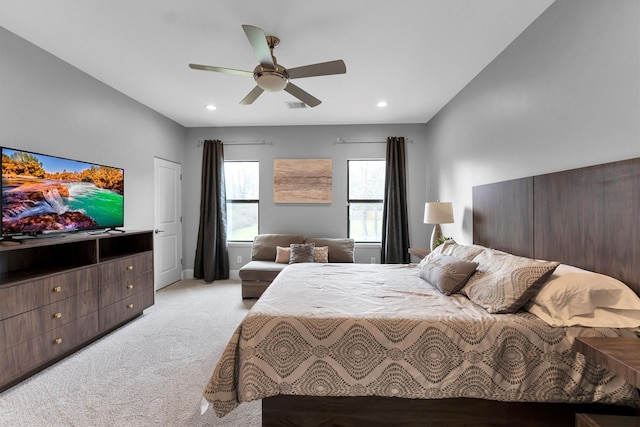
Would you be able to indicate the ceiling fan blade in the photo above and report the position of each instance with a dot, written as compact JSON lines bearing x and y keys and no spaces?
{"x":258,"y":40}
{"x":220,"y":70}
{"x":252,"y":96}
{"x":321,"y":69}
{"x":303,"y":96}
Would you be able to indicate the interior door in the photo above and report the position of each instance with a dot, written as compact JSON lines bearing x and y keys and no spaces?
{"x":167,"y":243}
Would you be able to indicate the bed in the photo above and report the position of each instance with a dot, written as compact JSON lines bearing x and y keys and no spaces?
{"x":352,"y":344}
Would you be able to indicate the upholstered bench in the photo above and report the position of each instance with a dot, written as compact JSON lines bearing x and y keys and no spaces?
{"x":258,"y":274}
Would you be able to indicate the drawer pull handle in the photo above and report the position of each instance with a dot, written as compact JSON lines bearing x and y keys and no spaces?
{"x":129,"y":286}
{"x":57,"y":289}
{"x":129,"y":305}
{"x":57,"y":341}
{"x":130,"y":267}
{"x":57,"y":315}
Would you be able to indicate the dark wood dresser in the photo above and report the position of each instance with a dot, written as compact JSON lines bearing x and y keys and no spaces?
{"x":59,"y":294}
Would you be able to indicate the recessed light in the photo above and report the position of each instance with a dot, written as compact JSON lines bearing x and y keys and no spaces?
{"x":382,"y":104}
{"x":210,"y":107}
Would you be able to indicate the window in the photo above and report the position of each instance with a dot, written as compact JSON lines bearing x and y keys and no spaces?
{"x":242,"y":189}
{"x":365,"y":194}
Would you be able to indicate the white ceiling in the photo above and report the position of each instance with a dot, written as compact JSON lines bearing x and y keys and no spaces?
{"x":415,"y":54}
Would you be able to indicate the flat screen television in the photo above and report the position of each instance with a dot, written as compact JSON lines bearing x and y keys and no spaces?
{"x":44,"y":194}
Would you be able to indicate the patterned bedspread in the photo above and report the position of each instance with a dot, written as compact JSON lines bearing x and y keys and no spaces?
{"x":370,"y":329}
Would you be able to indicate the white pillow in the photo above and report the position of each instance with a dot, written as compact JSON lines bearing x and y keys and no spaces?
{"x":576,"y":297}
{"x":451,"y":248}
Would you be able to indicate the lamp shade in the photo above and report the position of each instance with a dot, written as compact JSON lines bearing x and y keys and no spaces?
{"x":438,"y":213}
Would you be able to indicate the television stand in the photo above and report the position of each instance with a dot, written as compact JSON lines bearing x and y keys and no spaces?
{"x":7,"y":241}
{"x":58,"y":295}
{"x":94,"y":232}
{"x":104,"y":231}
{"x":16,"y":240}
{"x":50,"y":235}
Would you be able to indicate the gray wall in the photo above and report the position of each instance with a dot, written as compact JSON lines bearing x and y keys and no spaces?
{"x":49,"y":107}
{"x":564,"y":94}
{"x":327,"y":220}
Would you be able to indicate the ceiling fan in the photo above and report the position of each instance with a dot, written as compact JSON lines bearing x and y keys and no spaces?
{"x":271,"y":76}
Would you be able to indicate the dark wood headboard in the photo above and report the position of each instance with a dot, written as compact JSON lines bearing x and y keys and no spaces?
{"x":587,"y":217}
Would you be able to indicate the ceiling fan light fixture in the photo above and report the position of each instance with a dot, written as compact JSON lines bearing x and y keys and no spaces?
{"x":271,"y":80}
{"x":272,"y":77}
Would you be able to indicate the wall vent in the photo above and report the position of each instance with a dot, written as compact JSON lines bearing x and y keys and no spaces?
{"x":296,"y":105}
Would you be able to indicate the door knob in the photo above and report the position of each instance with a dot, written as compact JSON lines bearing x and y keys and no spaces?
{"x":158,"y":231}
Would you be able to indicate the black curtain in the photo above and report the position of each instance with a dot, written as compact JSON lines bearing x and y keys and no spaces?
{"x":395,"y":222}
{"x":212,"y":255}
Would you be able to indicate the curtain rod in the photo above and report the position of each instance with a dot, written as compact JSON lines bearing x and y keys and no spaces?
{"x":255,"y":142}
{"x":362,"y":141}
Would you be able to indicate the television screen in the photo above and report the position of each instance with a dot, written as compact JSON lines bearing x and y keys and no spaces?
{"x":43,"y":193}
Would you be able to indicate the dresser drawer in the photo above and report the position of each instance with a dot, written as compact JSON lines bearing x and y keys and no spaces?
{"x":37,"y":293}
{"x":28,"y":355}
{"x":114,"y":314}
{"x":23,"y":327}
{"x":124,"y":268}
{"x":115,"y":291}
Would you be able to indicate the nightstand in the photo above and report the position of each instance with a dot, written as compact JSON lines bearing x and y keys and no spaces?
{"x":592,"y":420}
{"x":621,"y":356}
{"x":419,"y":252}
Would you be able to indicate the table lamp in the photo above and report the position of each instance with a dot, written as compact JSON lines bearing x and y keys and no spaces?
{"x":437,"y":213}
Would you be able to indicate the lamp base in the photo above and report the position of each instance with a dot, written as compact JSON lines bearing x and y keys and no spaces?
{"x":435,"y":235}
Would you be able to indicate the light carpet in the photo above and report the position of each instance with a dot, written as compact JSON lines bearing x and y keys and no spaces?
{"x":149,"y":372}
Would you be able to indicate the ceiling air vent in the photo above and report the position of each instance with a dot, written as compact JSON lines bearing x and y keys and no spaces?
{"x":296,"y":105}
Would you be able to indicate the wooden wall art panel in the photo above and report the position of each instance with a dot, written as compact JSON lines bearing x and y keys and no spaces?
{"x":302,"y":180}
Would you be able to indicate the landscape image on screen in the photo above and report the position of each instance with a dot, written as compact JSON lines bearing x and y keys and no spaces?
{"x":45,"y":193}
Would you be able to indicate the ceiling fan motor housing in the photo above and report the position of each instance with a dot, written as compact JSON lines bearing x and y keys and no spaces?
{"x":269,"y":79}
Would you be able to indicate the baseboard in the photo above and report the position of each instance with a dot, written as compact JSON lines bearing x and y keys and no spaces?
{"x":188,"y":274}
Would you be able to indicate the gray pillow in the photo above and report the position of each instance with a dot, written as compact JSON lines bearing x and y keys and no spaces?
{"x":446,"y":273}
{"x":301,"y":252}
